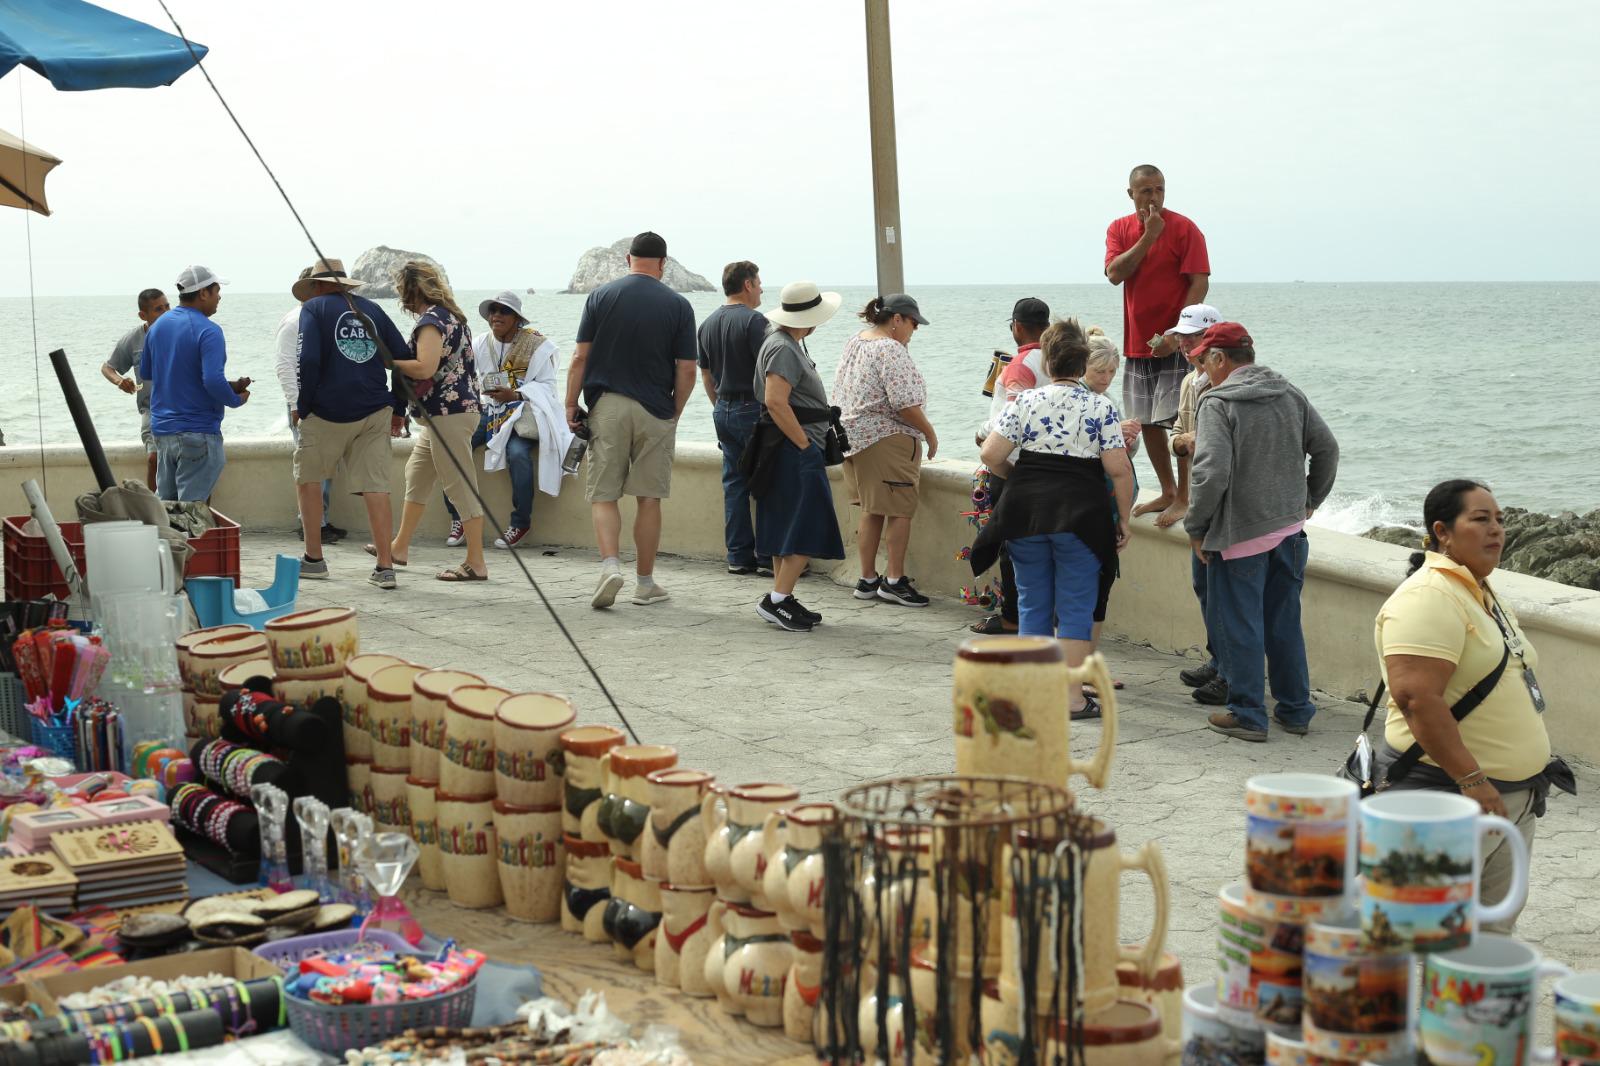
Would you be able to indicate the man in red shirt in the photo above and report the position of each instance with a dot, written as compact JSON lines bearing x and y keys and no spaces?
{"x":1159,"y":258}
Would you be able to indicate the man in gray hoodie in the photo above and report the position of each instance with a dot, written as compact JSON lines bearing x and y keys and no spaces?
{"x":1249,"y":499}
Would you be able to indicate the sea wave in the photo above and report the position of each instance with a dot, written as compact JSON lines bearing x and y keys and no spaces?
{"x":1357,"y":514}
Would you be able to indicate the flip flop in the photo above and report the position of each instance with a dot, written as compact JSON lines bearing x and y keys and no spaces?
{"x":1090,"y":690}
{"x":1090,"y":710}
{"x":991,"y":626}
{"x":372,"y":550}
{"x":461,"y":572}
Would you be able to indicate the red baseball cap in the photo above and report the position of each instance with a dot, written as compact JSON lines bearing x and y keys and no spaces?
{"x":1225,"y":335}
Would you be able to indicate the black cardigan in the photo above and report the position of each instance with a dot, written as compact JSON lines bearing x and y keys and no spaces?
{"x":1053,"y":494}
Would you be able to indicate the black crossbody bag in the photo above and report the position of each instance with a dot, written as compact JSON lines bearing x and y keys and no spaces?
{"x":1353,"y":770}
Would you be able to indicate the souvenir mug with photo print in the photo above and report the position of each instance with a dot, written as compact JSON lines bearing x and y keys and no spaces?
{"x":1300,"y":849}
{"x":1477,"y":1003}
{"x":1357,"y":997}
{"x":1578,"y":1020}
{"x":1260,"y":966}
{"x":1421,"y":853}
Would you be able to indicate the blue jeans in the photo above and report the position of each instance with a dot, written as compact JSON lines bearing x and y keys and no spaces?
{"x":1197,"y":578}
{"x":519,"y":464}
{"x":735,"y":421}
{"x":327,"y":485}
{"x":1058,"y":582}
{"x":188,"y":466}
{"x":1253,"y":611}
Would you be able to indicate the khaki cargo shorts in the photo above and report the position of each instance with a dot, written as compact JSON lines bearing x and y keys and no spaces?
{"x":882,"y":478}
{"x":630,"y":451}
{"x":430,"y":460}
{"x":362,"y":446}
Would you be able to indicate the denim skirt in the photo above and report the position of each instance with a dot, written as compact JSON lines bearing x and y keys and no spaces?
{"x":796,"y":516}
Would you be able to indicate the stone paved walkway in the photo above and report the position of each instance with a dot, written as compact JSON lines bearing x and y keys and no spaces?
{"x":867,"y":695}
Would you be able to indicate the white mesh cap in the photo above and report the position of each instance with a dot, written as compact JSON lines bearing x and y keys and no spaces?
{"x":195,"y":278}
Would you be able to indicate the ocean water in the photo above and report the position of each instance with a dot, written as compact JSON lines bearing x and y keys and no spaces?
{"x":1420,"y":382}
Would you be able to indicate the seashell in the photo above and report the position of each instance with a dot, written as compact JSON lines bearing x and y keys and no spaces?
{"x":153,"y":929}
{"x":332,"y":916}
{"x":285,"y":903}
{"x":225,"y":928}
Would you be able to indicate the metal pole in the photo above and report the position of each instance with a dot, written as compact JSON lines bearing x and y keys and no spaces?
{"x":885,"y":169}
{"x":80,"y":418}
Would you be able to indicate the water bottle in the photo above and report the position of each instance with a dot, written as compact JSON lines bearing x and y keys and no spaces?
{"x":579,"y":446}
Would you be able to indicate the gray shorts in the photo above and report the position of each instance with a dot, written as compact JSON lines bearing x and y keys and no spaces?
{"x":1151,"y":387}
{"x":145,"y":434}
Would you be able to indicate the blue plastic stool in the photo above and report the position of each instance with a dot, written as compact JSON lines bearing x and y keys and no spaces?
{"x":212,"y":597}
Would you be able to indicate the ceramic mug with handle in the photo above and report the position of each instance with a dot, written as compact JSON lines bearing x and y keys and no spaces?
{"x":1300,"y":850}
{"x":1477,"y":1003}
{"x":1421,"y":853}
{"x":1357,"y":997}
{"x":1578,"y":1020}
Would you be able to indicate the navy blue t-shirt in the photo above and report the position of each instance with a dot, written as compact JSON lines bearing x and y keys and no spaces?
{"x":342,"y":377}
{"x":638,"y":331}
{"x":730,"y":337}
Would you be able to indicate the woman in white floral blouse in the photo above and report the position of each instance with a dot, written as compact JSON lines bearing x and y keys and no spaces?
{"x":880,"y":394}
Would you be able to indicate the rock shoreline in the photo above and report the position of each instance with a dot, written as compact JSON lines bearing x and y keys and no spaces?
{"x":1564,"y":548}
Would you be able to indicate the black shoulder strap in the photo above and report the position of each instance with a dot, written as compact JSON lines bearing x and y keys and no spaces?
{"x":1463,"y":707}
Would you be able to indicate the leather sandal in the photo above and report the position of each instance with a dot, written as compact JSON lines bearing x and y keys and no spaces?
{"x":372,"y":550}
{"x":461,"y":572}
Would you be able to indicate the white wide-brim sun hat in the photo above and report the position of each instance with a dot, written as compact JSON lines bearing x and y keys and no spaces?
{"x":802,"y":305}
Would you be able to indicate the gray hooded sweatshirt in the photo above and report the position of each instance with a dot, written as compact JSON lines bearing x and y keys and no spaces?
{"x":1254,"y":432}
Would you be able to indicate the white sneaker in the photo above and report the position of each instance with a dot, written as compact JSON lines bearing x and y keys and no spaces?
{"x":644,"y":595}
{"x":605,"y":593}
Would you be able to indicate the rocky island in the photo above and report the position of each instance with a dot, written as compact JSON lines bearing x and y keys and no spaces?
{"x":375,"y":269}
{"x":1563,"y":547}
{"x":600,"y":265}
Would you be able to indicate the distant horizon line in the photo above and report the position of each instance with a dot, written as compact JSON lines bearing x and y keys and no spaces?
{"x":560,"y":290}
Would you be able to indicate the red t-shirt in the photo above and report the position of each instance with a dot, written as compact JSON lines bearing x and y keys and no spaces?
{"x":1154,"y":296}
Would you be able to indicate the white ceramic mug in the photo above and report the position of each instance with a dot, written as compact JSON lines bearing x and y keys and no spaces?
{"x":1357,"y":997}
{"x":1477,"y":1003}
{"x":1259,"y":966}
{"x":1207,"y":1039}
{"x":1421,"y":854}
{"x":1300,"y":849}
{"x":1578,"y":1019}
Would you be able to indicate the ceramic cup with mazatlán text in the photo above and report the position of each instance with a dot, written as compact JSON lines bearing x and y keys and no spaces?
{"x":1477,"y":1003}
{"x":1421,"y":853}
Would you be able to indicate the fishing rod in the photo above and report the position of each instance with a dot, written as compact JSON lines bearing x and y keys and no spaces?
{"x":401,"y":383}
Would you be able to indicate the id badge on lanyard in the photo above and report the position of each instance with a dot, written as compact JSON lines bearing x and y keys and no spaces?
{"x":1514,"y":644}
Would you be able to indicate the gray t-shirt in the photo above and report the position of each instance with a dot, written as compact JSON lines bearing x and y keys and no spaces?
{"x":125,"y":361}
{"x":784,"y":356}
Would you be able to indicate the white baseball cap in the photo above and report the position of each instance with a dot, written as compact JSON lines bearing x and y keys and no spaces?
{"x":195,"y":278}
{"x":1196,"y":318}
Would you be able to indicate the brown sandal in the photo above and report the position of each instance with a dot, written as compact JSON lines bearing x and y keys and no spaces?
{"x":461,"y":572}
{"x":372,"y":550}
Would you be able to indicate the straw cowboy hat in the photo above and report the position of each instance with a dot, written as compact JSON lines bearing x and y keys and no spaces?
{"x":324,"y":270}
{"x":802,"y":306}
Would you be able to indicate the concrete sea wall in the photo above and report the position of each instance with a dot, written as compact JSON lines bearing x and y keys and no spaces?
{"x":1347,"y":580}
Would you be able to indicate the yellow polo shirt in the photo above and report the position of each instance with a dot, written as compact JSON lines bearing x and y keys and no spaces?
{"x":1440,"y":613}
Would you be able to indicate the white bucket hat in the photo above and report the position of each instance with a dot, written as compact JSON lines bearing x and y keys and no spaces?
{"x":504,"y":299}
{"x":802,"y":306}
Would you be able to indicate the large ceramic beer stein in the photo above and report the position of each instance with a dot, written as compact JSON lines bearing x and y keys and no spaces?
{"x":1260,"y":966}
{"x":673,"y":845}
{"x":467,"y":759}
{"x":1357,"y":996}
{"x":1011,"y":711}
{"x":429,"y":691}
{"x":581,"y":785}
{"x":1421,"y":853}
{"x":532,"y":863}
{"x":792,"y":846}
{"x":734,"y":819}
{"x":317,"y":641}
{"x":1300,"y":848}
{"x":1578,"y":1019}
{"x":1477,"y":1003}
{"x":1163,"y":991}
{"x":625,"y":806}
{"x":527,"y":747}
{"x":389,"y":715}
{"x":683,"y":938}
{"x":353,"y":701}
{"x":1103,"y":864}
{"x":588,"y":887}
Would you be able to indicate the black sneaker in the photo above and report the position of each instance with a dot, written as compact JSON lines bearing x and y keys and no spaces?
{"x":867,"y":590}
{"x":1196,"y":676}
{"x":787,"y":615}
{"x":902,"y":592}
{"x":1213,"y":693}
{"x":741,"y":569}
{"x":816,"y":619}
{"x":764,"y":569}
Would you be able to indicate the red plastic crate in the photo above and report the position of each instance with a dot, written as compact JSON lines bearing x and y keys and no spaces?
{"x":32,"y":573}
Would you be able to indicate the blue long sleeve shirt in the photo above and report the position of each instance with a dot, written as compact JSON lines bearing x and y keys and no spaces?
{"x":342,"y":377}
{"x":185,"y":360}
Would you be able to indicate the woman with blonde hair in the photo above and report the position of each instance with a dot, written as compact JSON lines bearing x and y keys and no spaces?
{"x":446,"y":388}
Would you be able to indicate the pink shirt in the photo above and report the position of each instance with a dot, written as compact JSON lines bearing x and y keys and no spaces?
{"x":1264,"y":543}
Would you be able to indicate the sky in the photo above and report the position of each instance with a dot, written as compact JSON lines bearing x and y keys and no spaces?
{"x":1372,"y":140}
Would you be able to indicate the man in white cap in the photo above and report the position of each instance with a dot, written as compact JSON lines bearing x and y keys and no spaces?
{"x":517,"y":387}
{"x":185,"y":360}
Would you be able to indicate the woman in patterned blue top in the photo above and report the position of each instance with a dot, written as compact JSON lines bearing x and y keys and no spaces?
{"x":1062,"y":529}
{"x":445,"y":379}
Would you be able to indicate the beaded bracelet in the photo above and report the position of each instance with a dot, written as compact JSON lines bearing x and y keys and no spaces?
{"x":179,"y":1031}
{"x":155,"y":1035}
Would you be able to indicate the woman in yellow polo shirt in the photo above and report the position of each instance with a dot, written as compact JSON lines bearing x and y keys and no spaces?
{"x":1444,"y":633}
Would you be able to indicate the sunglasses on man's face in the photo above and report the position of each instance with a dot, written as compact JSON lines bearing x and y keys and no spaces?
{"x":496,"y":309}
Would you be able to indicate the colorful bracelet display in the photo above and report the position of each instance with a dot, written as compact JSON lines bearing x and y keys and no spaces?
{"x":233,"y":768}
{"x":221,"y":820}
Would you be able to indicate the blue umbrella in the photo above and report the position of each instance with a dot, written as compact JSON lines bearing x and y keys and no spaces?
{"x":79,"y":46}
